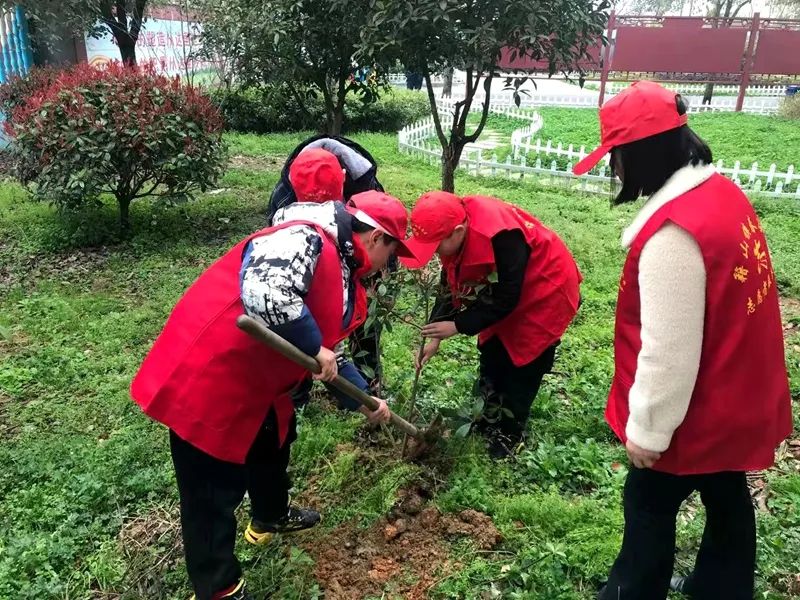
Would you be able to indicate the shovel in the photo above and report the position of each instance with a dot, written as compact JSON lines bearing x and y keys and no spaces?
{"x":255,"y":329}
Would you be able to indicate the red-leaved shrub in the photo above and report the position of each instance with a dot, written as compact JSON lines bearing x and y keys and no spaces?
{"x":125,"y":131}
{"x":18,"y":89}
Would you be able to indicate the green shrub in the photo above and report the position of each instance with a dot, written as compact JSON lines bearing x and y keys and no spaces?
{"x":127,"y":132}
{"x":393,"y":111}
{"x":790,"y":107}
{"x":273,"y":109}
{"x":266,"y":109}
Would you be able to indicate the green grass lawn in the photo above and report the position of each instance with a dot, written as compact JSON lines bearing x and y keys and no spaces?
{"x":731,"y":136}
{"x":87,"y":495}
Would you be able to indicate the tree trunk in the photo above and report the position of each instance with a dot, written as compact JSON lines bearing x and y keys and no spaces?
{"x":447,"y":89}
{"x":125,"y":31}
{"x":708,"y":93}
{"x":338,"y":119}
{"x":330,"y":108}
{"x":450,"y":158}
{"x":124,"y":215}
{"x":338,"y":109}
{"x":127,"y":49}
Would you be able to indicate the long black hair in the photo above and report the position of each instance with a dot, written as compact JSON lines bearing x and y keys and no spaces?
{"x":645,"y":166}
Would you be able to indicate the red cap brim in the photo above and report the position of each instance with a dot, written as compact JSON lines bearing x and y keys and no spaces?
{"x":588,"y":163}
{"x":421,"y":253}
{"x":403,"y":251}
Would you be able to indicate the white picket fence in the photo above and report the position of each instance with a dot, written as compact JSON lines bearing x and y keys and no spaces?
{"x":761,"y":105}
{"x":775,"y":91}
{"x":522,"y":137}
{"x":400,"y":79}
{"x":419,"y":140}
{"x":752,"y":178}
{"x":477,"y":165}
{"x":425,"y":130}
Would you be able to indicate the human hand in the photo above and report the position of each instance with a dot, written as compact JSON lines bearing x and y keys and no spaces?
{"x":639,"y":457}
{"x":382,"y":414}
{"x":428,"y":352}
{"x":440,"y":331}
{"x":327,"y":362}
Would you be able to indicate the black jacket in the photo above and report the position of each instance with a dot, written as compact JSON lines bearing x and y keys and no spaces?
{"x":361,"y":171}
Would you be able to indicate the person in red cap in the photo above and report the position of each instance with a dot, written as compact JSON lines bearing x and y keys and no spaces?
{"x":317,"y":176}
{"x":226,"y":398}
{"x":321,"y":169}
{"x":700,"y":392}
{"x":530,"y":292}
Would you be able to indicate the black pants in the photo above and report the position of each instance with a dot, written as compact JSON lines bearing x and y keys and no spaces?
{"x":725,"y":564}
{"x":505,"y":386}
{"x":210,"y":491}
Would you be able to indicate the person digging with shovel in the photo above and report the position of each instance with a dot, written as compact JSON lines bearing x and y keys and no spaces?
{"x":225,"y":397}
{"x":526,"y":291}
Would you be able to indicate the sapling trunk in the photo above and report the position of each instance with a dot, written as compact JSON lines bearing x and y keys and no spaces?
{"x":414,"y":388}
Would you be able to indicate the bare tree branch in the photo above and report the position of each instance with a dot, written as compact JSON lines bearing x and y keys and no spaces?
{"x":434,"y":109}
{"x":138,"y":18}
{"x":487,"y":87}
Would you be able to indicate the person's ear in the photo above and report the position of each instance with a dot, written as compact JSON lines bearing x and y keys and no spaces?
{"x":375,"y":237}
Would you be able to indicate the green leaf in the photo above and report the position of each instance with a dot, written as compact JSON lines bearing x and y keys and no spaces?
{"x":477,"y":408}
{"x":462,"y":431}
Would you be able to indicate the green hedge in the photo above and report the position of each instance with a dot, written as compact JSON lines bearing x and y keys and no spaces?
{"x":273,"y":110}
{"x":790,"y":107}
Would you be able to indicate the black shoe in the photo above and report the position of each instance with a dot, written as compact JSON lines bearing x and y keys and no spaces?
{"x":239,"y":592}
{"x":300,"y":400}
{"x":678,"y":584}
{"x":501,"y":445}
{"x":295,"y":519}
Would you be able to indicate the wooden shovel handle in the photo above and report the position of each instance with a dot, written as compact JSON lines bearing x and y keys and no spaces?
{"x":258,"y":331}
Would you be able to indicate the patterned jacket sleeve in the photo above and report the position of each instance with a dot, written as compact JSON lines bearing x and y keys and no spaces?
{"x":276,"y":274}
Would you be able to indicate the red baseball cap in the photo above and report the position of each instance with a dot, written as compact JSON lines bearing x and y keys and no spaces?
{"x":385,"y":213}
{"x":316,"y":176}
{"x":433,"y":218}
{"x":640,"y":111}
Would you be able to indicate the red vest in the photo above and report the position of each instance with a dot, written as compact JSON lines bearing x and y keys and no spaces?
{"x":550,"y":294}
{"x":740,"y":409}
{"x":213,"y":384}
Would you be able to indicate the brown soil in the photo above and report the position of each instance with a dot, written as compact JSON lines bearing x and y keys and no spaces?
{"x":152,"y":547}
{"x":790,"y":310}
{"x":401,"y":556}
{"x":256,"y":163}
{"x":75,"y":266}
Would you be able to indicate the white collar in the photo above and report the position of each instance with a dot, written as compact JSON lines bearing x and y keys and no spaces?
{"x":682,"y":181}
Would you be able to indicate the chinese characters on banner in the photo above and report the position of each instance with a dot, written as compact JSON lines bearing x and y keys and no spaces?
{"x":754,"y":269}
{"x":169,"y":44}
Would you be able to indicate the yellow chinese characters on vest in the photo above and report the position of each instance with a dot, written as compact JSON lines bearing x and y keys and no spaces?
{"x":755,"y":270}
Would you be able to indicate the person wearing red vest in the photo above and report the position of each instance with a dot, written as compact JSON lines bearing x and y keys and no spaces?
{"x":700,"y":392}
{"x":226,"y":398}
{"x":519,"y":317}
{"x":330,"y":159}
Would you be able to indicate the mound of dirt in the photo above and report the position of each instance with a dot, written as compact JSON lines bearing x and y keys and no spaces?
{"x":404,"y":554}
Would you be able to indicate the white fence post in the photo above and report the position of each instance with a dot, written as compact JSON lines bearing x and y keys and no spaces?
{"x":416,"y":139}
